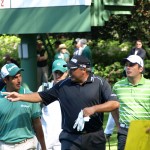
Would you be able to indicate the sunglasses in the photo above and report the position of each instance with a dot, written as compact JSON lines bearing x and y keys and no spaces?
{"x":130,"y":64}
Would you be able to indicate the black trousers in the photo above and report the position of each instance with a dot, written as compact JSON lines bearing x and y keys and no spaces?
{"x":87,"y":141}
{"x":122,"y":136}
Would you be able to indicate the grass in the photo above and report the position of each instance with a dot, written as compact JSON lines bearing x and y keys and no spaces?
{"x":113,"y":138}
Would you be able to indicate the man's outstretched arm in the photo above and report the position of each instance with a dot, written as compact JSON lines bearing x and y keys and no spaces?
{"x":14,"y":96}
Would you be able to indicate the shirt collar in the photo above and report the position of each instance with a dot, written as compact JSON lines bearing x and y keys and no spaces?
{"x":89,"y":79}
{"x":141,"y":82}
{"x":21,"y":90}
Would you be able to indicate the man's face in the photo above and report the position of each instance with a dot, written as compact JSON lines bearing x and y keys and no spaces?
{"x":78,"y":45}
{"x":13,"y":83}
{"x":138,"y":44}
{"x":76,"y":74}
{"x":63,"y":50}
{"x":58,"y":76}
{"x":133,"y":69}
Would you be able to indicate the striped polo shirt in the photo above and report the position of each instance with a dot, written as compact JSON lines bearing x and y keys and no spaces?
{"x":134,"y":100}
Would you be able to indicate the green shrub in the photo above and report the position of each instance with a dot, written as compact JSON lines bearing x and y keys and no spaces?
{"x":107,"y":52}
{"x":112,"y":73}
{"x":9,"y":45}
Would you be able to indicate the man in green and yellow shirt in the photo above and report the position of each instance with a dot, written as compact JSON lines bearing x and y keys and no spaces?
{"x":133,"y":93}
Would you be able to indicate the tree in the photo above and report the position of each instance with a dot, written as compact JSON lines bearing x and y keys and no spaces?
{"x":9,"y":45}
{"x":128,"y":27}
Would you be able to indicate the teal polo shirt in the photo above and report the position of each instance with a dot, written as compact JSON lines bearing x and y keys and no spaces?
{"x":134,"y":100}
{"x":16,"y":118}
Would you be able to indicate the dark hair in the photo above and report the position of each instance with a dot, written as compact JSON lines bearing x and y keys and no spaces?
{"x":7,"y":77}
{"x":57,"y":42}
{"x":139,"y":40}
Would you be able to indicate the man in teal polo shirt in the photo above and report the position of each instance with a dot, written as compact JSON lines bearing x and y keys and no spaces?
{"x":133,"y":93}
{"x":20,"y":121}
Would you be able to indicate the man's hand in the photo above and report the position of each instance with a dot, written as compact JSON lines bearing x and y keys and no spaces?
{"x":12,"y":96}
{"x":88,"y":111}
{"x":80,"y":121}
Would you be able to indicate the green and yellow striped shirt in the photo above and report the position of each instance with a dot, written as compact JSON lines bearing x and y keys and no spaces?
{"x":134,"y":100}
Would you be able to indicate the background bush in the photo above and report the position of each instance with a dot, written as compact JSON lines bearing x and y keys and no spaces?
{"x":107,"y":54}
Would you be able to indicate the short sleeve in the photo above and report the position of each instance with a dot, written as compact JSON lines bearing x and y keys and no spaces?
{"x":36,"y":110}
{"x":107,"y":93}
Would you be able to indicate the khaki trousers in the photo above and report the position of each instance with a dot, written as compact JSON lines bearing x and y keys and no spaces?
{"x":28,"y":144}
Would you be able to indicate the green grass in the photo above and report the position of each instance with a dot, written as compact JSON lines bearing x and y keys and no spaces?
{"x":113,"y":138}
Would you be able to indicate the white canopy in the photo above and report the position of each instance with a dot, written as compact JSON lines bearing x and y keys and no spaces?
{"x":41,"y":3}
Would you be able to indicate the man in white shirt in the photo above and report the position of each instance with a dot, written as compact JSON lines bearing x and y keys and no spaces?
{"x":51,"y":114}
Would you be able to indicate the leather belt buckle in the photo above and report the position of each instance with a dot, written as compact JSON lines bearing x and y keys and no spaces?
{"x":124,"y":126}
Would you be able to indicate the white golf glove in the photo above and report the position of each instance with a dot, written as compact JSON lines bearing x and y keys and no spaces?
{"x":80,"y":121}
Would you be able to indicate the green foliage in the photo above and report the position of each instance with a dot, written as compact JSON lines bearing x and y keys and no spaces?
{"x":106,"y":52}
{"x":112,"y":73}
{"x":127,"y":27}
{"x":147,"y":69}
{"x":8,"y":45}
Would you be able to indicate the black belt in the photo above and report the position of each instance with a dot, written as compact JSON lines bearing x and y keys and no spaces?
{"x":85,"y":131}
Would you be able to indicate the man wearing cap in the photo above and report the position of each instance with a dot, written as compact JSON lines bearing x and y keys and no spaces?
{"x":20,"y":121}
{"x":51,"y":114}
{"x":133,"y":93}
{"x":83,"y":98}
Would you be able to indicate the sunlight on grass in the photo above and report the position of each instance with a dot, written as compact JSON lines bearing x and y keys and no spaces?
{"x":111,"y":148}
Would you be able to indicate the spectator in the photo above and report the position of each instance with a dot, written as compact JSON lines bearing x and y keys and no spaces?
{"x":81,"y":96}
{"x":42,"y":67}
{"x":133,"y":94}
{"x":51,"y":114}
{"x":9,"y":59}
{"x":84,"y":50}
{"x":62,"y":53}
{"x":19,"y":121}
{"x":138,"y":50}
{"x":76,"y":46}
{"x":56,"y":45}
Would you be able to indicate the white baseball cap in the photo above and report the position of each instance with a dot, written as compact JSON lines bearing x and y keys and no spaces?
{"x":134,"y":59}
{"x":10,"y":70}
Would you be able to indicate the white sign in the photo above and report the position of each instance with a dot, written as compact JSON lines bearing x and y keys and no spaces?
{"x":41,"y":3}
{"x":4,"y":4}
{"x":23,"y":50}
